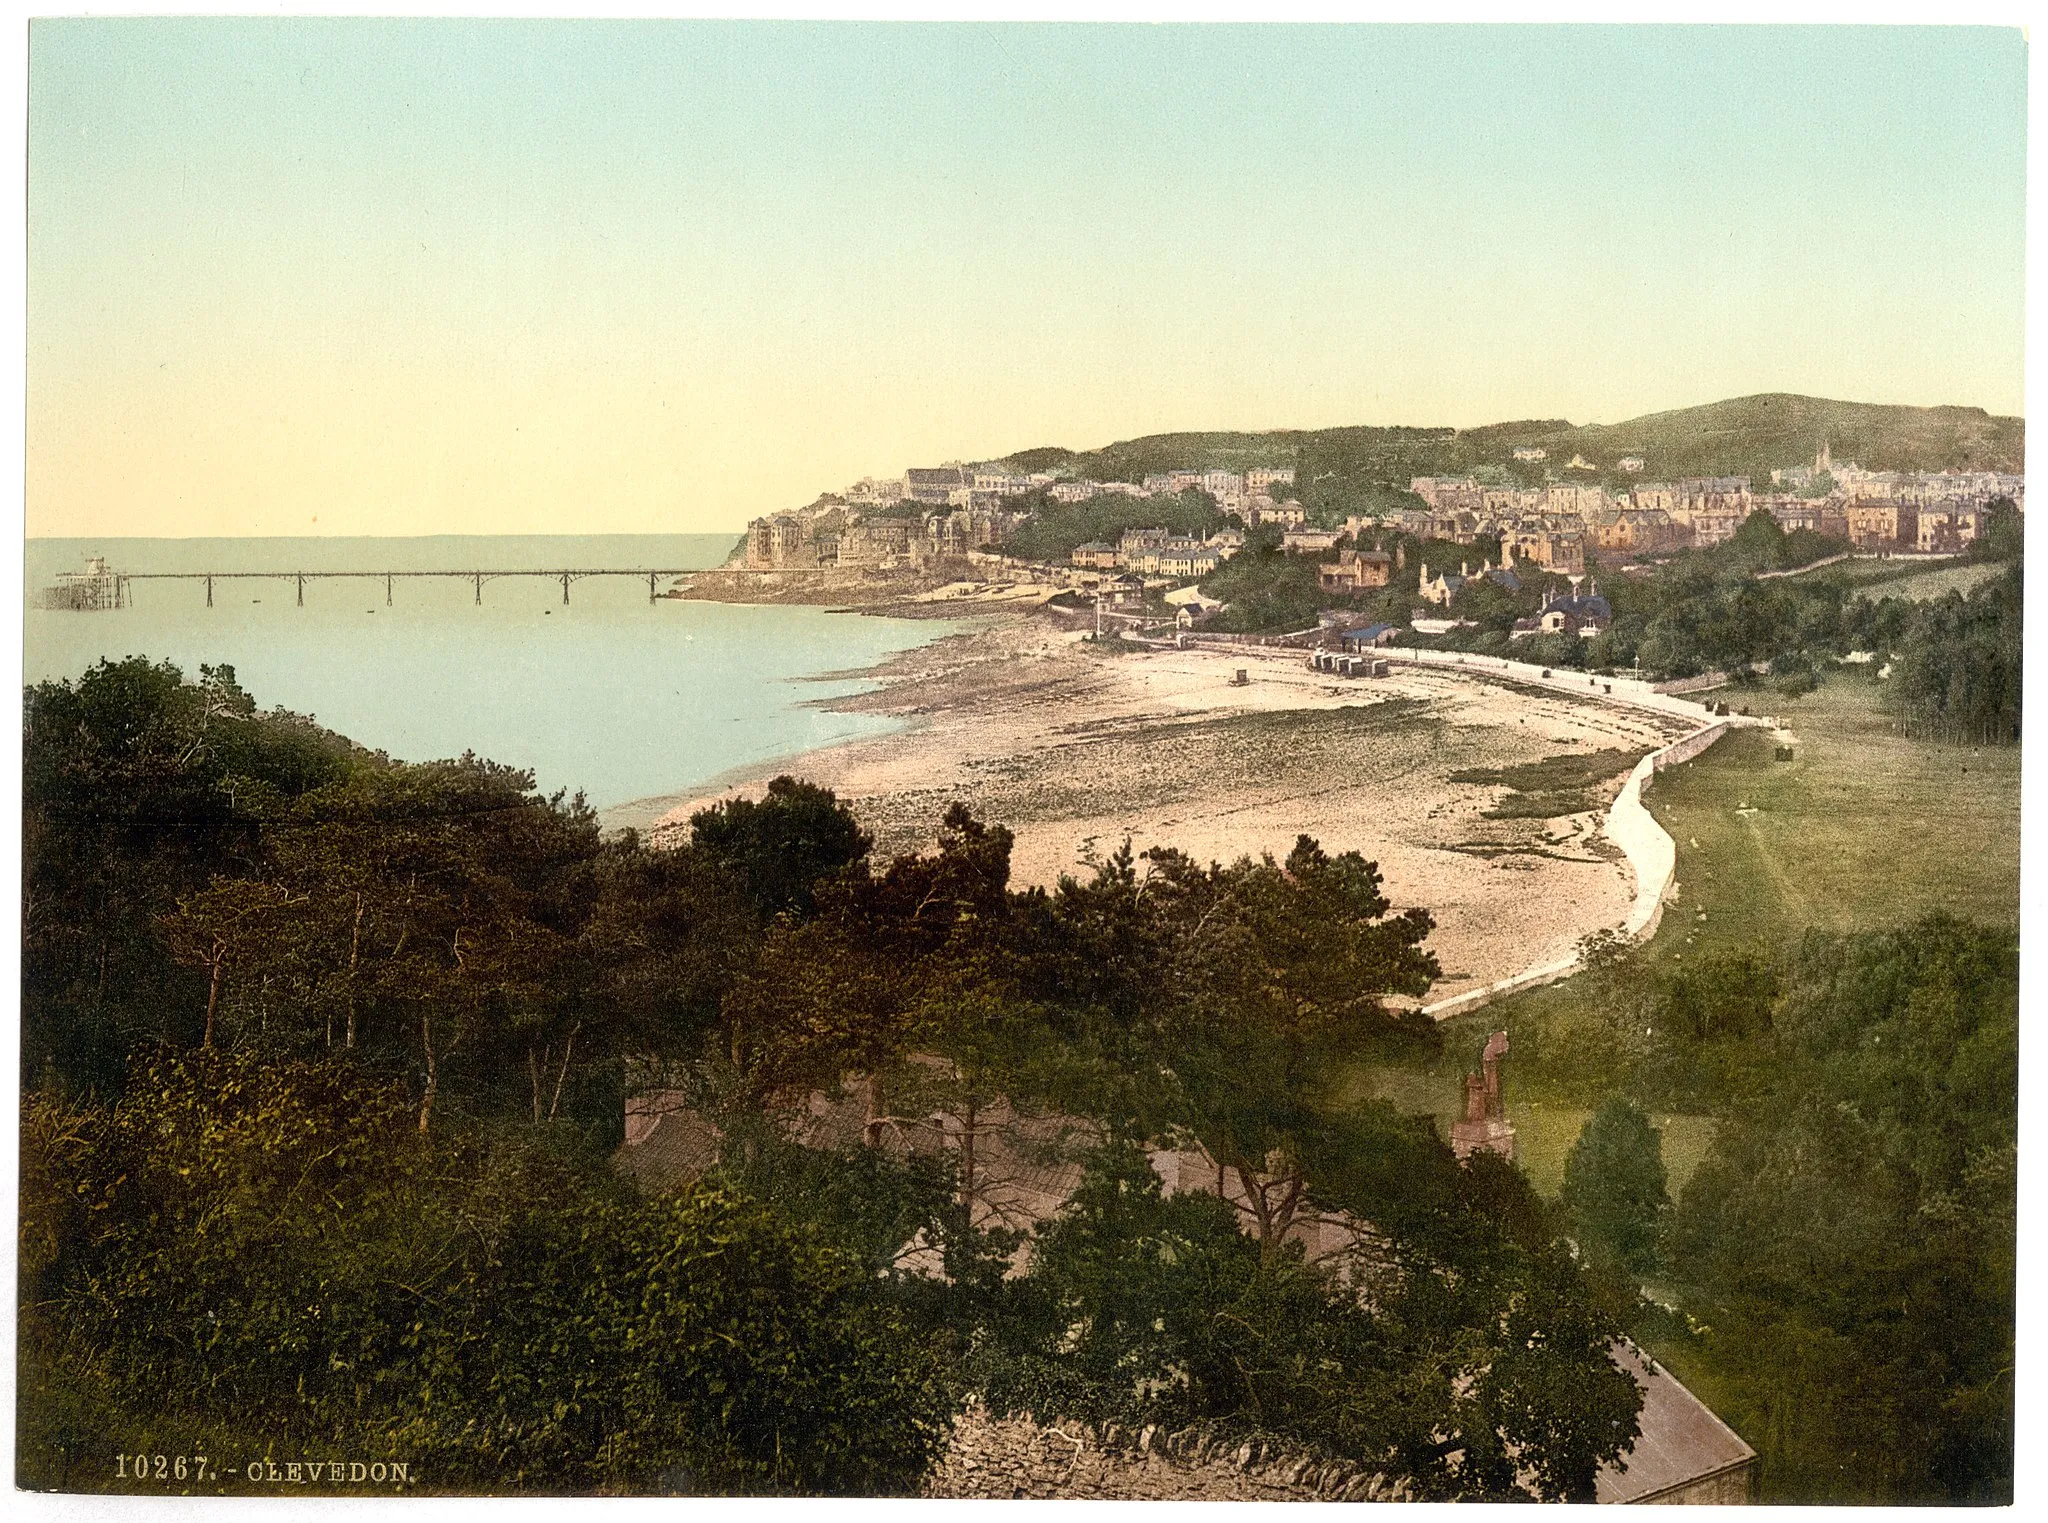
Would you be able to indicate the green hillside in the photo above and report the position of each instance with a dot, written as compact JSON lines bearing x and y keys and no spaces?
{"x":1744,"y":436}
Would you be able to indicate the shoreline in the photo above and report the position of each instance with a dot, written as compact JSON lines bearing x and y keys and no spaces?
{"x":1076,"y":749}
{"x":654,"y":811}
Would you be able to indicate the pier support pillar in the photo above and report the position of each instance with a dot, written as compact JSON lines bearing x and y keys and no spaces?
{"x":302,"y":589}
{"x":209,"y":592}
{"x":479,"y":590}
{"x":565,"y":589}
{"x":387,"y":589}
{"x":650,"y":586}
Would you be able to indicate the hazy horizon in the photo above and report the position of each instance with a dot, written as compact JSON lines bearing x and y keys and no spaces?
{"x":388,"y":278}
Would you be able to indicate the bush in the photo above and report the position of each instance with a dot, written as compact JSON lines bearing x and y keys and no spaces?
{"x":276,"y":1245}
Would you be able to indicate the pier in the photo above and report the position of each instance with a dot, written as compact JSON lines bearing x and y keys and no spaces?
{"x":101,"y":587}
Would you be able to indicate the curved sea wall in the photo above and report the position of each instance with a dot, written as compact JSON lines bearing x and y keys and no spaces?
{"x":1652,"y":859}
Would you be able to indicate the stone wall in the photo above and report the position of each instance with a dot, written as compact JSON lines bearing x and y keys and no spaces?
{"x":1014,"y":1457}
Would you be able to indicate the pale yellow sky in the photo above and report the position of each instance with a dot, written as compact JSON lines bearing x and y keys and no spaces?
{"x":302,"y":277}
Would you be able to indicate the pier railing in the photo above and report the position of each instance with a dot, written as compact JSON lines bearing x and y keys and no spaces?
{"x":476,"y":576}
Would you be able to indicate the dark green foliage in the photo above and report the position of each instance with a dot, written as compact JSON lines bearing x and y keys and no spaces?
{"x":1055,"y":528}
{"x":275,"y":1244}
{"x":1957,"y":674}
{"x":1474,"y":1339}
{"x":1850,"y":1239}
{"x":1268,"y":590}
{"x":1135,"y":459}
{"x":138,"y":787}
{"x":378,"y":1211}
{"x":779,"y":846}
{"x":1614,"y":1186}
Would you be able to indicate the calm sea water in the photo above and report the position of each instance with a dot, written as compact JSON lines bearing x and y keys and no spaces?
{"x":629,"y":701}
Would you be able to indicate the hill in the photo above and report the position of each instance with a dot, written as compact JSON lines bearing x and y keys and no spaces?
{"x":1743,"y":436}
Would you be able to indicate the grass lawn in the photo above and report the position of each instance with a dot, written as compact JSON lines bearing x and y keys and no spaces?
{"x":1862,"y":830}
{"x":1929,"y":585}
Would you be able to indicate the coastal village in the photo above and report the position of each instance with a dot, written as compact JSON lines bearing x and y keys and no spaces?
{"x":962,"y":522}
{"x":929,"y":515}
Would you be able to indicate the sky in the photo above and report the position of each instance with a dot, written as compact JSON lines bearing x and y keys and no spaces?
{"x":407,"y":277}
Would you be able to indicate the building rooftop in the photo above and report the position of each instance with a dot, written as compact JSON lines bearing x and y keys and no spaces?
{"x":1681,"y":1442}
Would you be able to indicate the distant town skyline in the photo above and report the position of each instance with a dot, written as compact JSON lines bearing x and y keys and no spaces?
{"x":353,"y":277}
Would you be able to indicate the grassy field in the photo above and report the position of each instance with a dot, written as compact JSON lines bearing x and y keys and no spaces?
{"x":1929,"y":585}
{"x":1861,"y":830}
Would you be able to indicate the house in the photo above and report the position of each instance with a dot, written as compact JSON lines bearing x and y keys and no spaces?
{"x":1560,"y":551}
{"x":1882,"y":525}
{"x":1641,"y":531}
{"x":1632,"y":464}
{"x":1260,"y":481}
{"x":1571,"y":500}
{"x":874,"y":542}
{"x":1682,"y":1451}
{"x":1712,"y":526}
{"x":1572,"y":614}
{"x":1263,"y":510}
{"x":1441,"y":588}
{"x":993,"y":479}
{"x":1194,"y":560}
{"x":1226,"y":542}
{"x":1096,"y":553}
{"x":1654,"y":497}
{"x":1712,"y":497}
{"x":870,"y":493}
{"x":1946,"y":529}
{"x":1529,"y":454}
{"x":774,"y":543}
{"x":1356,"y":570}
{"x":1448,"y":494}
{"x":1791,"y":511}
{"x":1126,"y":591}
{"x":1371,"y":636}
{"x":1316,"y":540}
{"x":937,"y":484}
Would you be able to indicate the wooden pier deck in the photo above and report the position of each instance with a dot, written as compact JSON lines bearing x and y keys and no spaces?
{"x":566,"y":576}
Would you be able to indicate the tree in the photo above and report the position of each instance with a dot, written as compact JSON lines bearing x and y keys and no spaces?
{"x":1849,"y":1238}
{"x":779,"y":847}
{"x":1459,"y":1352}
{"x":1615,"y":1185}
{"x":243,"y":1240}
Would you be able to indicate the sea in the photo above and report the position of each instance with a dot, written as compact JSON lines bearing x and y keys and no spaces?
{"x":634,"y":703}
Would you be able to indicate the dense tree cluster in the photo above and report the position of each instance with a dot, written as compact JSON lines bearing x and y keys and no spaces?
{"x":1055,"y":528}
{"x":1844,"y":1255}
{"x":1850,"y":1239}
{"x":327,"y":1056}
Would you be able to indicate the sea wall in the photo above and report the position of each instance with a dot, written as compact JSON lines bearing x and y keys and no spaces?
{"x":1652,"y":859}
{"x":1632,"y":691}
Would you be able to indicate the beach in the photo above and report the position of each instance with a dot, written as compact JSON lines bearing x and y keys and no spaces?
{"x":1078,"y":747}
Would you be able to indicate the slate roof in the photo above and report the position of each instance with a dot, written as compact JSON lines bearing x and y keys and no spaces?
{"x":1681,"y":1441}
